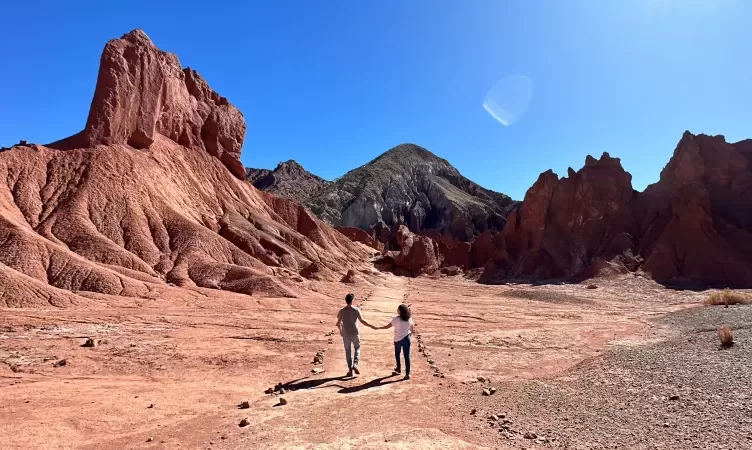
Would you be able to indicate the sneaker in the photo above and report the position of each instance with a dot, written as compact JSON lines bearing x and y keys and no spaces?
{"x":396,"y":371}
{"x":350,"y":373}
{"x":355,"y":369}
{"x":407,"y":377}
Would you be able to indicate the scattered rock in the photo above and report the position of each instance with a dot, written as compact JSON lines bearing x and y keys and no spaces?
{"x":592,"y":286}
{"x":150,"y":406}
{"x":473,"y":411}
{"x":150,"y":439}
{"x":674,"y":397}
{"x":317,"y":370}
{"x":282,"y":401}
{"x":60,"y":363}
{"x":244,"y":405}
{"x":486,"y":392}
{"x":269,"y":391}
{"x":90,"y":342}
{"x":530,"y":435}
{"x":243,"y":423}
{"x":282,"y":391}
{"x":492,"y":390}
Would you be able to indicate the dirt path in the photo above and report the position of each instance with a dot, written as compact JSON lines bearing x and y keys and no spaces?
{"x":171,"y":373}
{"x":375,"y":410}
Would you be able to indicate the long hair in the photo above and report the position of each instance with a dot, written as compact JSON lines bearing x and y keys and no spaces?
{"x":404,"y":312}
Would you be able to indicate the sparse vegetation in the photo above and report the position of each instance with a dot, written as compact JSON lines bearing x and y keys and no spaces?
{"x":727,"y":297}
{"x":725,"y":335}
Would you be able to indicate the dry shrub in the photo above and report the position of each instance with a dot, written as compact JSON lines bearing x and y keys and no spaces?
{"x":725,"y":335}
{"x":727,"y":297}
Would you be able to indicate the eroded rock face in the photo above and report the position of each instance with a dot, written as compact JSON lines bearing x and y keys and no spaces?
{"x":142,"y":91}
{"x":115,"y":220}
{"x":697,"y":220}
{"x":565,"y":224}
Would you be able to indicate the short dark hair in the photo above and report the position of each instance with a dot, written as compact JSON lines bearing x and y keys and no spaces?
{"x":349,"y":298}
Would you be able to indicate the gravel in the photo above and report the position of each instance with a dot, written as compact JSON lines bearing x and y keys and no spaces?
{"x":683,"y":392}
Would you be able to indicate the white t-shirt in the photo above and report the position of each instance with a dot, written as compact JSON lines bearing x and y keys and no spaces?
{"x":401,"y":328}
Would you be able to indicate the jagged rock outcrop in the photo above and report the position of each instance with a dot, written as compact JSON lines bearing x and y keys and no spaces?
{"x":696,"y":222}
{"x":78,"y":222}
{"x":692,"y":227}
{"x":143,"y":91}
{"x":289,"y":180}
{"x":412,"y":186}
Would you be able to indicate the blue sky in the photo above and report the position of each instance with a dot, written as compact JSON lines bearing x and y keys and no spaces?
{"x":333,"y":84}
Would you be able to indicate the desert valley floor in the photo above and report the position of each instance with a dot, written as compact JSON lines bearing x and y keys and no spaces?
{"x":626,"y":364}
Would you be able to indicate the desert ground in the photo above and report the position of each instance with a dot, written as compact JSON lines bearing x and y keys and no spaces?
{"x":620,"y":363}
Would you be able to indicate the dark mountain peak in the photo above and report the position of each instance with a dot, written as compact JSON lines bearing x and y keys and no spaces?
{"x":289,"y":179}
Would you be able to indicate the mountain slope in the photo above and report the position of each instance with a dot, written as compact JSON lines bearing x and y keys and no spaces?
{"x":148,"y":195}
{"x":410,"y":185}
{"x":289,"y":180}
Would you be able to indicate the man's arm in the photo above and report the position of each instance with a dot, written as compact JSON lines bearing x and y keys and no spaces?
{"x":360,"y":317}
{"x":339,"y":319}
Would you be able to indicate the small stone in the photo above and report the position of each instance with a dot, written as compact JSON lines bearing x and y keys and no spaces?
{"x":666,"y":425}
{"x":482,"y":379}
{"x":282,"y":391}
{"x":244,"y":405}
{"x":592,"y":286}
{"x":90,"y":342}
{"x":492,"y":390}
{"x":321,"y":321}
{"x":530,"y":435}
{"x":494,"y":417}
{"x":674,"y":397}
{"x":282,"y":401}
{"x":60,"y":363}
{"x":150,"y":439}
{"x":151,"y":405}
{"x":269,"y":391}
{"x":244,"y":422}
{"x":317,"y":370}
{"x":473,"y":411}
{"x":223,"y":437}
{"x":486,"y":392}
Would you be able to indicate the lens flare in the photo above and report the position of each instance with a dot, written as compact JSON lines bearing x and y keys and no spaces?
{"x":509,"y":98}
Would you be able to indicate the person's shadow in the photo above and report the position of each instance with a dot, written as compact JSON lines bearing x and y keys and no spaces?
{"x":382,"y":381}
{"x":311,"y":383}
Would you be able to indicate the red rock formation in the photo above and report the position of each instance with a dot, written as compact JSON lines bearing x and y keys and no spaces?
{"x":115,"y":220}
{"x":419,"y":255}
{"x":358,"y":235}
{"x":697,"y":220}
{"x":143,"y":91}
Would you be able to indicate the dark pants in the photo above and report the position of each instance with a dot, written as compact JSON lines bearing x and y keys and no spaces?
{"x":404,"y":344}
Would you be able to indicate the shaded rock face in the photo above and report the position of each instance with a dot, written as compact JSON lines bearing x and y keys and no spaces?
{"x":696,"y":221}
{"x":142,"y":91}
{"x":565,"y":225}
{"x":412,"y":186}
{"x":116,"y":220}
{"x":289,"y":179}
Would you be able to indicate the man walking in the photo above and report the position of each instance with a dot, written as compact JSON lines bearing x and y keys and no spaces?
{"x":347,"y":322}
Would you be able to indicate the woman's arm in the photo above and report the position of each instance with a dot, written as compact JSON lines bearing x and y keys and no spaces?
{"x":386,"y":327}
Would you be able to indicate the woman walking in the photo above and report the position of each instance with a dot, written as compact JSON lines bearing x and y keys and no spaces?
{"x":403,"y":329}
